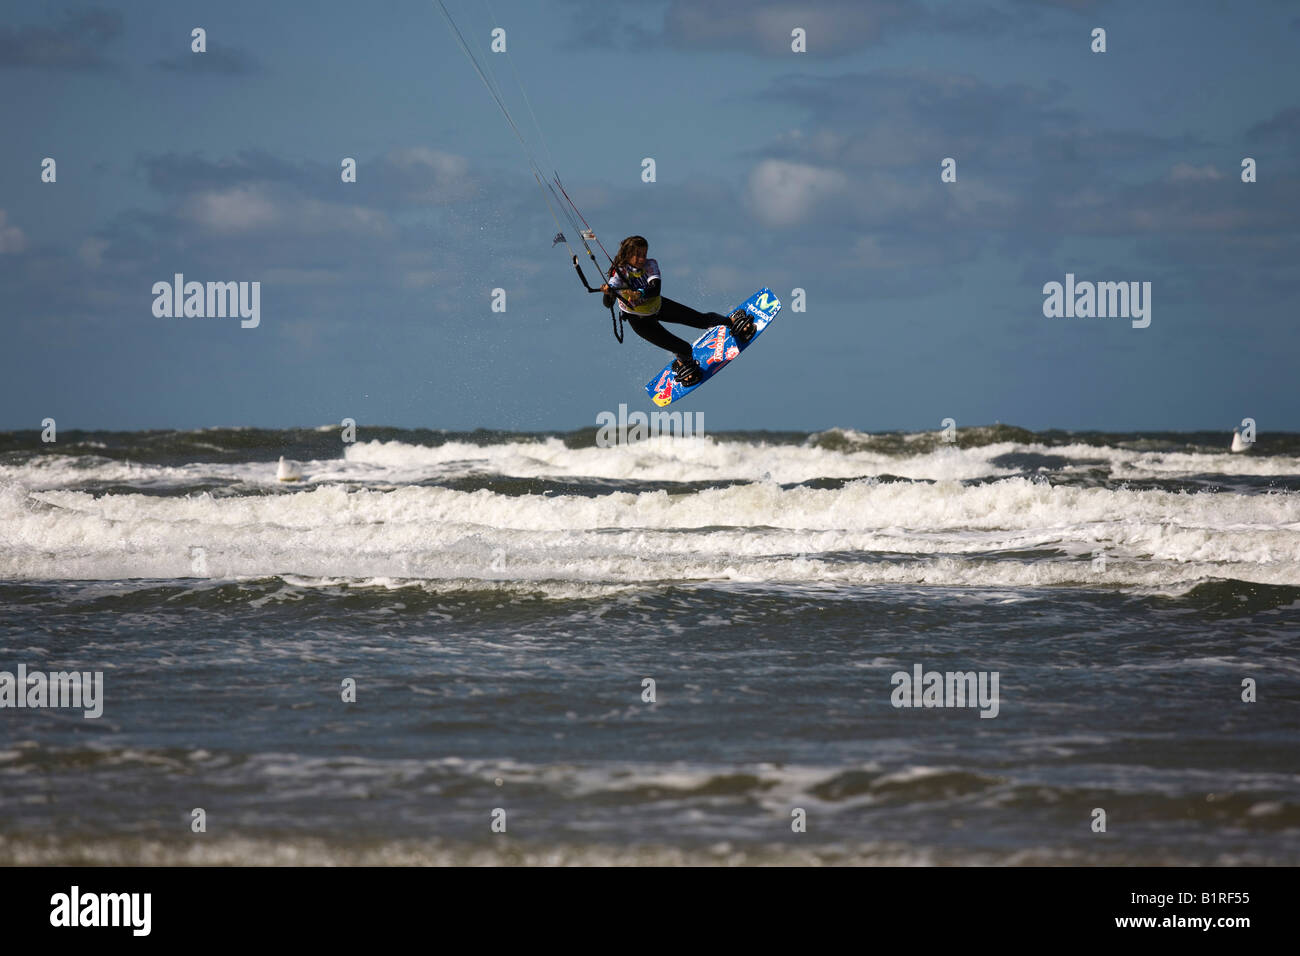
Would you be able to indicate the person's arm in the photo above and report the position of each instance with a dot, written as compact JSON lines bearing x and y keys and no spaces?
{"x":616,"y":282}
{"x":652,"y":280}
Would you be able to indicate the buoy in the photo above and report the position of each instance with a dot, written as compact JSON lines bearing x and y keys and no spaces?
{"x":1237,"y":443}
{"x":288,"y":470}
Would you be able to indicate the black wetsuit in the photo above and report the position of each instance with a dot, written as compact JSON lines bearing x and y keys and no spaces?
{"x":650,"y":329}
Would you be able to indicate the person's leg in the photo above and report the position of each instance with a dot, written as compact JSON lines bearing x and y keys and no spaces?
{"x":670,"y":311}
{"x":742,"y":327}
{"x":686,"y":369}
{"x":648,"y":327}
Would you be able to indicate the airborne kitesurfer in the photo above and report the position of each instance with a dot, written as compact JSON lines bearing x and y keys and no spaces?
{"x":637,"y":280}
{"x":632,"y":279}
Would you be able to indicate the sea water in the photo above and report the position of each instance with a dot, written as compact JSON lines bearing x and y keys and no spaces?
{"x":495,"y":647}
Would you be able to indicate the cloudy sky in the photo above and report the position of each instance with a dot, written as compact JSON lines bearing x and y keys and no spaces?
{"x":817,"y":170}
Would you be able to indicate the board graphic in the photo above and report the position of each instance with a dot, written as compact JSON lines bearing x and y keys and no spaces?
{"x":715,"y":349}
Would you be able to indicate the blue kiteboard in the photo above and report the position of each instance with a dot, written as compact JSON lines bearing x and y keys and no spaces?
{"x":715,"y":349}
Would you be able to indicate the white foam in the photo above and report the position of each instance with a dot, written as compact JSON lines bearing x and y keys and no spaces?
{"x":664,"y":459}
{"x":900,"y":532}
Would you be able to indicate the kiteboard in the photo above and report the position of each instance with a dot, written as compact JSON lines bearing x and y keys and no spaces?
{"x":715,"y":349}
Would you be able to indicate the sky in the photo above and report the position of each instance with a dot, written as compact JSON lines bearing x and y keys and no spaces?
{"x":817,"y":170}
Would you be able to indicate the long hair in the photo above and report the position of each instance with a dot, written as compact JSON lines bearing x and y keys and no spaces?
{"x":625,"y":250}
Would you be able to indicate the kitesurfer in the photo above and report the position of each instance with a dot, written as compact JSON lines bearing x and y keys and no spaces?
{"x":637,"y":282}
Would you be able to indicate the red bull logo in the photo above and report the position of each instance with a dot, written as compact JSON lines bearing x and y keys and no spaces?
{"x":664,"y":388}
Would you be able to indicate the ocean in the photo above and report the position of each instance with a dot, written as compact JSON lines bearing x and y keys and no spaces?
{"x":492,"y":648}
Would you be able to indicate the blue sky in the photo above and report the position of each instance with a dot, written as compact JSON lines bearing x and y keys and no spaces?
{"x":817,"y":170}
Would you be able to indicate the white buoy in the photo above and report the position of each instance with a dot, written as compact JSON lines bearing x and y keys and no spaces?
{"x":288,"y":470}
{"x":1237,"y":443}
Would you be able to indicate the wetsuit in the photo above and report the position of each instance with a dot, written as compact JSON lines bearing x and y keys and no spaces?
{"x":645,"y":317}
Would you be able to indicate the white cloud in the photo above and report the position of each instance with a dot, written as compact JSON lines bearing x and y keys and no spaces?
{"x":870,"y":253}
{"x":11,"y":237}
{"x":833,"y":26}
{"x":306,"y":277}
{"x":721,"y":277}
{"x":419,"y":278}
{"x":444,"y":164}
{"x":1185,"y":173}
{"x":240,"y":209}
{"x":249,"y":209}
{"x":432,"y":175}
{"x":784,"y":193}
{"x":92,"y":252}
